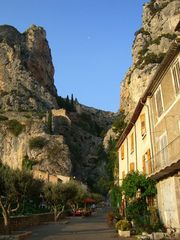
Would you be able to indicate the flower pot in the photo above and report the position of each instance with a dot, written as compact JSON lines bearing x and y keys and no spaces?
{"x":124,"y":233}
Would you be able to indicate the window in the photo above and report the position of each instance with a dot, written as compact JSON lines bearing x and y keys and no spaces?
{"x":163,"y":148}
{"x":122,"y":151}
{"x":159,"y":103}
{"x":143,"y":125}
{"x":176,"y":76}
{"x":131,"y":167}
{"x":132,"y":142}
{"x":146,"y":162}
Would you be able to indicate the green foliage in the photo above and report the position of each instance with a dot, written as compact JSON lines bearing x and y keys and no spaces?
{"x":119,"y":124}
{"x":27,"y":163}
{"x":3,"y":118}
{"x":134,"y":181}
{"x":149,"y":58}
{"x":39,"y":114}
{"x":87,"y":124}
{"x":123,"y":225}
{"x":16,"y":187}
{"x":154,"y":8}
{"x":115,"y":197}
{"x":167,"y":35}
{"x":61,"y":195}
{"x":136,"y":208}
{"x":112,"y":156}
{"x":141,"y":30}
{"x":67,"y":104}
{"x":37,"y":142}
{"x":153,"y":58}
{"x":15,"y":127}
{"x":49,"y":122}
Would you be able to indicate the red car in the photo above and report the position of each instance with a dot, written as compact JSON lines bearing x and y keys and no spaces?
{"x":82,"y":212}
{"x":78,"y":212}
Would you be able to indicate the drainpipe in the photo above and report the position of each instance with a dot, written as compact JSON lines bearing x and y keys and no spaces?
{"x":150,"y":130}
{"x":127,"y":157}
{"x":135,"y":136}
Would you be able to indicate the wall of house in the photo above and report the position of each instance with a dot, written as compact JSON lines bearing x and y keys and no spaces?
{"x":168,"y":201}
{"x":168,"y":123}
{"x":133,"y":157}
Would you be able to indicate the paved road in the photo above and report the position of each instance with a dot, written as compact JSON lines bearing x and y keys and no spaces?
{"x":76,"y":228}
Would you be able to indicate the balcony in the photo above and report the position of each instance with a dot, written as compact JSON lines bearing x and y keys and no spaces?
{"x":167,"y":160}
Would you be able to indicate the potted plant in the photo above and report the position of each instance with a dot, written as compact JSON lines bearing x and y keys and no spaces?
{"x":123,"y":227}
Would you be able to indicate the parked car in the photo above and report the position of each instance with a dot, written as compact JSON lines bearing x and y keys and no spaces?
{"x":82,"y":212}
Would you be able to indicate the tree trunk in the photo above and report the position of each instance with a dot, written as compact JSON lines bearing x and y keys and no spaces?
{"x":6,"y":218}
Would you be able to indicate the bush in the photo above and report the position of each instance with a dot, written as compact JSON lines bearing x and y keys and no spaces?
{"x":15,"y":127}
{"x":3,"y":118}
{"x":141,"y":30}
{"x":27,"y":163}
{"x":37,"y":142}
{"x":123,"y":225}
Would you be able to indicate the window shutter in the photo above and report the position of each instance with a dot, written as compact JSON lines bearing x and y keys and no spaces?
{"x":144,"y":164}
{"x":176,"y":77}
{"x":131,"y":167}
{"x":132,"y":142}
{"x":159,"y":102}
{"x":163,"y":148}
{"x":122,"y":151}
{"x":143,"y":124}
{"x":149,"y":161}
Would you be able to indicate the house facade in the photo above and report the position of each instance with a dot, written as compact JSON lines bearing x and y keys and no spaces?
{"x":154,"y":131}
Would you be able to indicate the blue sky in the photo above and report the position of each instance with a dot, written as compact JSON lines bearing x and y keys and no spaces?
{"x":90,"y":42}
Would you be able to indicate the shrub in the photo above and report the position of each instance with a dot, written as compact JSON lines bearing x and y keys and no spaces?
{"x":123,"y":225}
{"x":15,"y":127}
{"x":27,"y":163}
{"x":141,"y":30}
{"x":37,"y":142}
{"x":3,"y":118}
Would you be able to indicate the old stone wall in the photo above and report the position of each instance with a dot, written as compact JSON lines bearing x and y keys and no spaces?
{"x":19,"y":222}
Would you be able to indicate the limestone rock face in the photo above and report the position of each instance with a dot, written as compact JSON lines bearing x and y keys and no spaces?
{"x":26,"y":70}
{"x":151,"y":42}
{"x":53,"y":156}
{"x":53,"y":141}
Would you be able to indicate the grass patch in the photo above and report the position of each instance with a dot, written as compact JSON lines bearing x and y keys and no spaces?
{"x":15,"y":127}
{"x":37,"y":143}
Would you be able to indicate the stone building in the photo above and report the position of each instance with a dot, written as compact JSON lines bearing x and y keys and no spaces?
{"x":151,"y":141}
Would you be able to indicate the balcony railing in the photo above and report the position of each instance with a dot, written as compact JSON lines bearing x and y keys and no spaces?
{"x":167,"y":156}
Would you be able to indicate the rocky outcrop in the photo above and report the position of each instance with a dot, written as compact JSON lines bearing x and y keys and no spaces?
{"x":34,"y":132}
{"x":151,"y":42}
{"x":26,"y":70}
{"x":33,"y":145}
{"x":84,"y":137}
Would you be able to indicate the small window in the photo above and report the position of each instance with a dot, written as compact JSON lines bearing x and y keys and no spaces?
{"x":176,"y":76}
{"x":143,"y":125}
{"x":131,"y":167}
{"x":132,"y":142}
{"x":122,"y":152}
{"x":159,"y":103}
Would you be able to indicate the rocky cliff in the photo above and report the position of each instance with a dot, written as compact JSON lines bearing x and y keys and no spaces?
{"x":151,"y":42}
{"x":26,"y":70}
{"x":34,"y":133}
